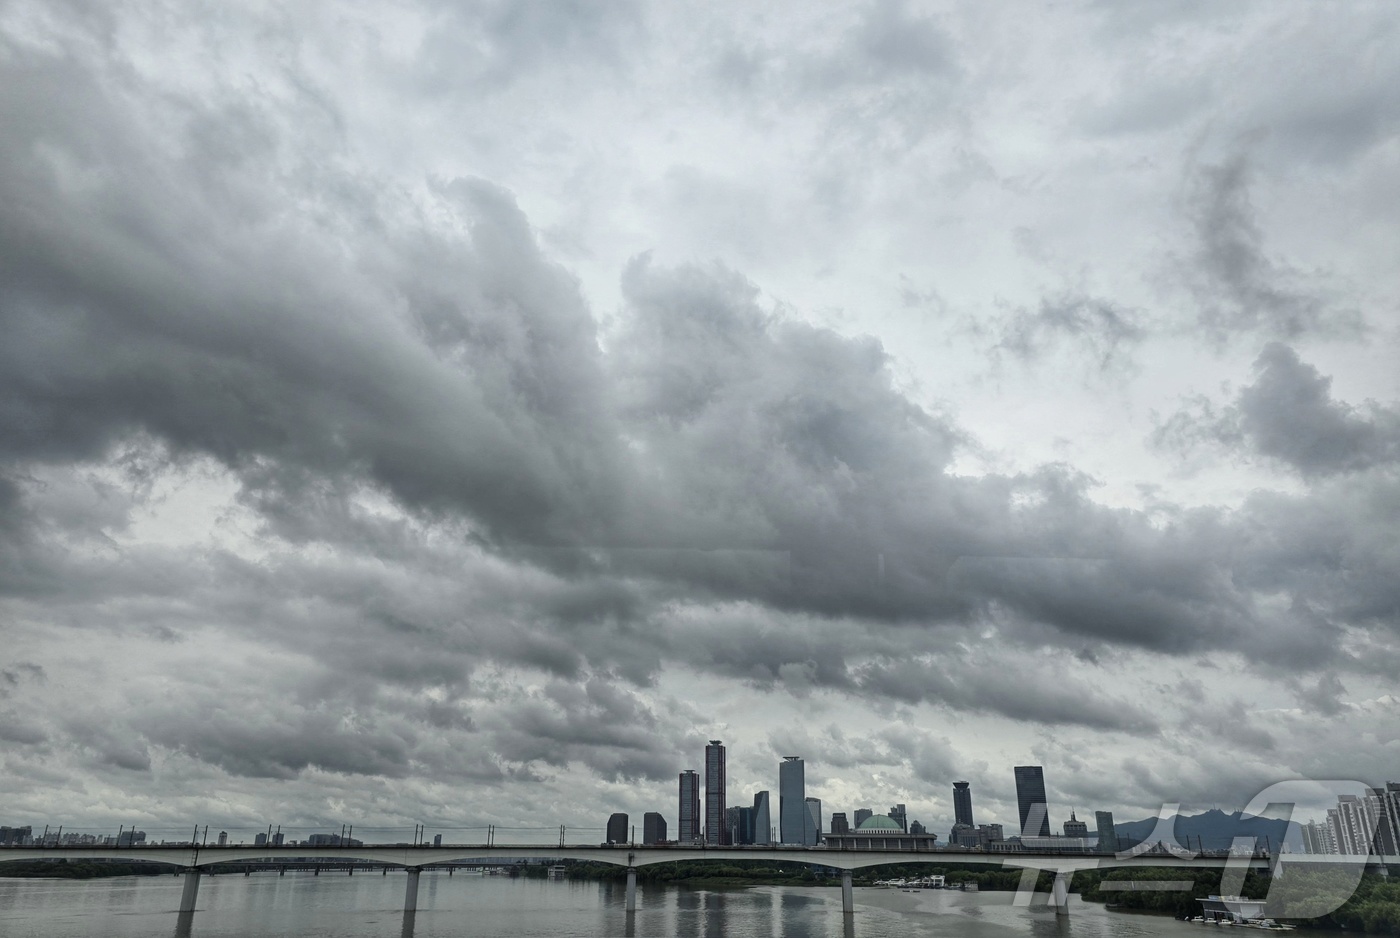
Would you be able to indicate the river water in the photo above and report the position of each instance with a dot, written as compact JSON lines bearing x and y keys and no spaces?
{"x":370,"y":904}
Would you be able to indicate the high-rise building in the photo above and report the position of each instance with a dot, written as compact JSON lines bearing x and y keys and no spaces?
{"x":259,"y":840}
{"x":731,"y":824}
{"x":1317,"y":838}
{"x":688,"y":817}
{"x":715,"y":830}
{"x":278,"y":838}
{"x":812,"y":833}
{"x":1030,"y":801}
{"x":1108,"y":835}
{"x":1383,"y":841}
{"x":437,"y":840}
{"x":862,"y":814}
{"x":653,"y":828}
{"x":1075,"y":827}
{"x":1334,"y":827}
{"x":762,"y":819}
{"x":1357,"y":824}
{"x":962,"y":804}
{"x":1390,"y":805}
{"x":747,"y":832}
{"x":223,"y":838}
{"x":916,"y":828}
{"x":839,"y":824}
{"x":617,"y":828}
{"x":792,"y":803}
{"x":900,"y":816}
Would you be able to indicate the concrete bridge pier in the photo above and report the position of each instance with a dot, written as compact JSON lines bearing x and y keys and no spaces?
{"x":848,"y":901}
{"x":191,"y":891}
{"x":410,"y":892}
{"x":1060,"y":895}
{"x":631,"y":889}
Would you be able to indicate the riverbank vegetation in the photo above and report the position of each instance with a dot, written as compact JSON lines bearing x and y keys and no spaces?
{"x":82,"y":869}
{"x":1300,"y":897}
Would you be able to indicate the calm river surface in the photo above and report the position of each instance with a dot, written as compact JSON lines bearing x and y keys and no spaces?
{"x":369,"y":904}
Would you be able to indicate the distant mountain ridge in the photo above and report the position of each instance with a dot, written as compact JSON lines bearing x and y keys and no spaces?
{"x":1214,"y":830}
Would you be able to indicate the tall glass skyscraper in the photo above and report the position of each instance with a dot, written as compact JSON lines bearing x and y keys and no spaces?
{"x":716,"y":830}
{"x":688,"y":817}
{"x":812,"y":833}
{"x":1030,"y":801}
{"x":792,"y":801}
{"x":962,"y":804}
{"x":762,"y":819}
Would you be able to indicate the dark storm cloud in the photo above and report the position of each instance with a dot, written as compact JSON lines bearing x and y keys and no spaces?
{"x":259,"y":343}
{"x":1005,"y":691}
{"x":1239,"y":286}
{"x":199,"y":279}
{"x":1288,"y":416}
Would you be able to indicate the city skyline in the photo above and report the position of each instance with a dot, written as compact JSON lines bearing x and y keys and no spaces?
{"x":457,"y":414}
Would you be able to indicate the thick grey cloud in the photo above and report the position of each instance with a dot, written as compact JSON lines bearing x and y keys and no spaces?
{"x":1289,"y":415}
{"x":325,"y":473}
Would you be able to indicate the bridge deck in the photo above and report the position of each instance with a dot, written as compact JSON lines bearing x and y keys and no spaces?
{"x":416,"y":856}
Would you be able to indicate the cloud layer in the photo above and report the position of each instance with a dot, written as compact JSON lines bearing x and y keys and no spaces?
{"x":380,"y":417}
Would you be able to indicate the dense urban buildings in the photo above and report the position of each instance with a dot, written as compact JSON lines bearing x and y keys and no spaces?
{"x":1359,"y":825}
{"x":862,"y":814}
{"x":1031,"y":803}
{"x":653,"y":828}
{"x":792,"y":801}
{"x":688,"y":816}
{"x":716,"y":831}
{"x":900,"y":815}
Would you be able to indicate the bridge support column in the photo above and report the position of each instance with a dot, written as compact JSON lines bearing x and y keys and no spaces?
{"x":848,"y":901}
{"x":410,"y":892}
{"x":191,"y":892}
{"x":631,"y":889}
{"x":1061,"y":893}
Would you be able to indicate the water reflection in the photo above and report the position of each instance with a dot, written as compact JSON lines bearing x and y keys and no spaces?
{"x":368,"y":907}
{"x":714,"y":919}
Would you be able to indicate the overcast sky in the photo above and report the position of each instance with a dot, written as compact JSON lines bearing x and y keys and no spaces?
{"x":458,"y":413}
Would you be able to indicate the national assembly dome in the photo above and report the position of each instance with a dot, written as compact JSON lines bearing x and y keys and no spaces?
{"x":879,"y":822}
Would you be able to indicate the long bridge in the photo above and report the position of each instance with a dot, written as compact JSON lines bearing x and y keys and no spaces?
{"x":191,"y":859}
